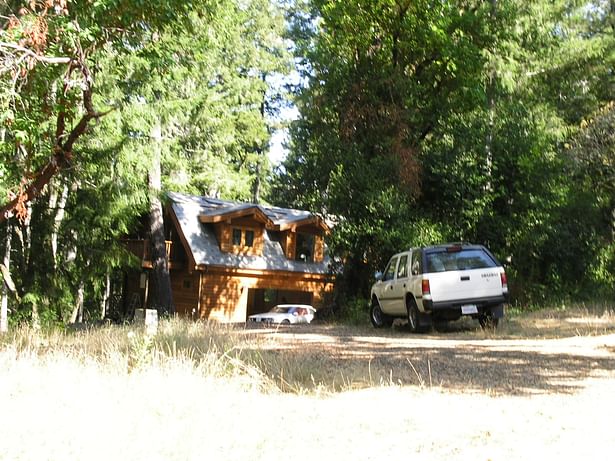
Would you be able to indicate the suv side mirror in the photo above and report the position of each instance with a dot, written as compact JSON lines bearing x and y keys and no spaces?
{"x":378,"y":276}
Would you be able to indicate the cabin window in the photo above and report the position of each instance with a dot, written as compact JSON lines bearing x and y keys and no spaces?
{"x":249,"y":240}
{"x":237,"y":237}
{"x":275,"y":236}
{"x":243,"y":237}
{"x":305,"y":247}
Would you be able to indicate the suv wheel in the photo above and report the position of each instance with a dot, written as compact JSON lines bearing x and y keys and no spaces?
{"x":414,"y":317}
{"x":379,"y":319}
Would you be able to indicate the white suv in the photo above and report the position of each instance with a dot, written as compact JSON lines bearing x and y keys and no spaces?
{"x":440,"y":283}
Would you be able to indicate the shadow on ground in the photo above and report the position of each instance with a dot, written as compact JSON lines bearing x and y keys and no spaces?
{"x":459,"y":359}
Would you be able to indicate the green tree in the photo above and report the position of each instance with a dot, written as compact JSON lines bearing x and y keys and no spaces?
{"x":457,"y":113}
{"x":195,"y":70}
{"x":380,"y":76}
{"x":196,"y":100}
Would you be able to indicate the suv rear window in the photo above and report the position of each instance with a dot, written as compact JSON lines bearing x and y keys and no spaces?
{"x":458,"y":260}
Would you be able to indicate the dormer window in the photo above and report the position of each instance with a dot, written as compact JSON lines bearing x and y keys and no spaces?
{"x":243,"y":237}
{"x":305,"y":247}
{"x":237,"y":233}
{"x":248,"y":238}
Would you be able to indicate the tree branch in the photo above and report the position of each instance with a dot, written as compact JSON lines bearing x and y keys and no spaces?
{"x":62,"y":151}
{"x":38,"y":57}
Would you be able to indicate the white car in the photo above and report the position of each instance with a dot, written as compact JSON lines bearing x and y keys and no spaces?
{"x":286,"y":314}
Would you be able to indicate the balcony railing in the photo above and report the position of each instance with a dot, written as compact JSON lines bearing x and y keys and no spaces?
{"x":142,"y":248}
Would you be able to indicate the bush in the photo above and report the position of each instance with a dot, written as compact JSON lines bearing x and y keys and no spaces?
{"x":354,"y":311}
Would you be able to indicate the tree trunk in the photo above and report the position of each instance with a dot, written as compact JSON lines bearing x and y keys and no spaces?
{"x":57,"y":206}
{"x":256,"y":185}
{"x":490,"y":93}
{"x":260,"y":150}
{"x":104,"y":305}
{"x":4,"y":303}
{"x":77,"y":315}
{"x":163,"y":297}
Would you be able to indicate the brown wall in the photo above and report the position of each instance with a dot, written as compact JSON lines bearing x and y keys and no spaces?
{"x":224,"y":234}
{"x":224,"y":295}
{"x":185,"y":288}
{"x":290,"y":244}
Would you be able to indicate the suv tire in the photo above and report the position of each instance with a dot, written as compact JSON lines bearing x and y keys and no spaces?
{"x":379,"y":319}
{"x":414,"y":317}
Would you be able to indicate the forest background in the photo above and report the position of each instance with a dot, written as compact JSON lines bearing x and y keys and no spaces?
{"x":418,"y":122}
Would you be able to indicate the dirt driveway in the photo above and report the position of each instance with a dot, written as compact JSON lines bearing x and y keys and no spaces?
{"x":543,"y":354}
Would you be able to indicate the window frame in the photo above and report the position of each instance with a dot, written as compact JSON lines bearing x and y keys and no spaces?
{"x":243,"y":243}
{"x":392,"y":267}
{"x":402,"y":274}
{"x":312,"y":238}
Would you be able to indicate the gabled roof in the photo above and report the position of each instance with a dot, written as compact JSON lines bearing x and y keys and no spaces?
{"x":193,"y":214}
{"x":275,"y":218}
{"x":232,"y":212}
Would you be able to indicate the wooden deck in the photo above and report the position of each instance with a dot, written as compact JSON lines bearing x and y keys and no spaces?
{"x":142,"y":249}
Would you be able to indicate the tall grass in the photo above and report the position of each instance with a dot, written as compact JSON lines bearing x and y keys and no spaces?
{"x":210,"y":350}
{"x":254,"y":359}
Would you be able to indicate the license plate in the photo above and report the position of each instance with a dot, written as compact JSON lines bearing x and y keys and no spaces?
{"x":469,"y":309}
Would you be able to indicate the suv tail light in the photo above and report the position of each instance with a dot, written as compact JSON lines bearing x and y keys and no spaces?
{"x":504,"y":281}
{"x":425,"y":287}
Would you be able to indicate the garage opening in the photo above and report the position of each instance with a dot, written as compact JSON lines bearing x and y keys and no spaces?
{"x":263,"y":299}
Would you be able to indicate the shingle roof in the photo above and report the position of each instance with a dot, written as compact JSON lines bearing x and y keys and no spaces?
{"x":204,"y":246}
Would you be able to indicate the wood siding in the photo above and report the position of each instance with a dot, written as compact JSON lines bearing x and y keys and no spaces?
{"x":224,"y":235}
{"x":319,"y":249}
{"x":185,"y":286}
{"x":224,"y":293}
{"x":290,"y":244}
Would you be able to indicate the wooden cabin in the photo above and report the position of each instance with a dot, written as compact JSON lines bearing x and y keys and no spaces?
{"x":228,"y":260}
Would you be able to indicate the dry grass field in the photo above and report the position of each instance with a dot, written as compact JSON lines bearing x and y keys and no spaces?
{"x":541,"y":387}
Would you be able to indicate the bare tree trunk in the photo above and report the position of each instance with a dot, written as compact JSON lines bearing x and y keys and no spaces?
{"x":36,"y":319}
{"x":104,"y":304}
{"x":77,"y":315}
{"x":163,"y":297}
{"x":260,"y":151}
{"x":490,"y":90}
{"x":57,"y":205}
{"x":4,"y":303}
{"x":25,"y":235}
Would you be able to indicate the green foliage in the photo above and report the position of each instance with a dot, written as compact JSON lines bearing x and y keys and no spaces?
{"x":443,"y":122}
{"x":353,"y":311}
{"x":200,"y":71}
{"x":420,"y":122}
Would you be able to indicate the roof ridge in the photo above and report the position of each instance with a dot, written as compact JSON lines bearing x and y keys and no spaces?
{"x":212,"y":205}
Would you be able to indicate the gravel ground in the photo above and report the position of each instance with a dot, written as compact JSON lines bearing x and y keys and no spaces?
{"x":546,"y":354}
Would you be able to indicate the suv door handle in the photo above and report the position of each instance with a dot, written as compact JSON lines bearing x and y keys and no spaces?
{"x":465,"y":278}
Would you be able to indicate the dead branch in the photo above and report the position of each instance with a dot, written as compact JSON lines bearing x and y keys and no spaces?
{"x":38,"y":57}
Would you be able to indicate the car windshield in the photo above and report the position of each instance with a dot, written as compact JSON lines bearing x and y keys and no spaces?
{"x":458,"y":260}
{"x":296,"y":310}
